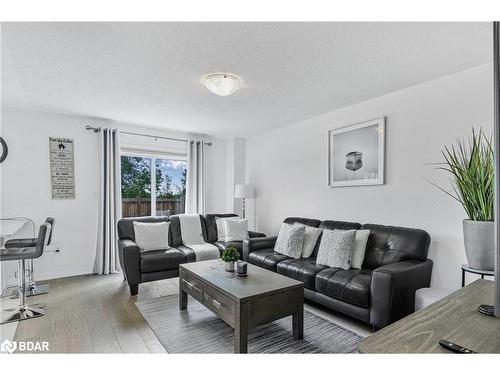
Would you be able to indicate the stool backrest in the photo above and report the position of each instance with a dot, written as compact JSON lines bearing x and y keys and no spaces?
{"x":52,"y":222}
{"x":42,"y":239}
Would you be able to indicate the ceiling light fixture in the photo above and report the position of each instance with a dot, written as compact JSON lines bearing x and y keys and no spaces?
{"x":222,"y":84}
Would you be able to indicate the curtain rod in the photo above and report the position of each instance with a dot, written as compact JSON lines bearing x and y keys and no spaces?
{"x":97,"y":130}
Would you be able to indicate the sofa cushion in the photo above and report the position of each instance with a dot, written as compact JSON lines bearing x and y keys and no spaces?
{"x":333,"y":224}
{"x":387,"y":244}
{"x":351,"y":286}
{"x":161,"y":260}
{"x":302,"y":220}
{"x":266,"y":258}
{"x":343,"y":225}
{"x":176,"y":232}
{"x":335,"y":249}
{"x":126,"y":225}
{"x":290,"y":240}
{"x":304,"y":270}
{"x":235,"y":229}
{"x":359,"y":248}
{"x":311,"y":236}
{"x":152,"y":236}
{"x":211,"y":225}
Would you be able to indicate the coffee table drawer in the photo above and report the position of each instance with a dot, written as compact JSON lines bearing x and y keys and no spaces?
{"x":219,"y":304}
{"x":193,"y":287}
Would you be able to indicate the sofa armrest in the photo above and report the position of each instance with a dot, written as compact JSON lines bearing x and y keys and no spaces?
{"x":393,"y":289}
{"x":252,"y":234}
{"x":257,"y":243}
{"x":130,"y":261}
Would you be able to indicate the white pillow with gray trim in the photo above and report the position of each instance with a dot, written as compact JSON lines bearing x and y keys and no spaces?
{"x":151,"y":236}
{"x":335,"y":248}
{"x":290,"y":240}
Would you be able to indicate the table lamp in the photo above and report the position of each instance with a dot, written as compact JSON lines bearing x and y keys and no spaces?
{"x":243,"y":191}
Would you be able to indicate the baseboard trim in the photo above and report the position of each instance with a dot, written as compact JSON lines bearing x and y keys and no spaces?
{"x":42,"y":276}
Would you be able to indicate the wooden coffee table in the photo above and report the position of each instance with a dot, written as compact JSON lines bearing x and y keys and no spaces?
{"x":243,"y":302}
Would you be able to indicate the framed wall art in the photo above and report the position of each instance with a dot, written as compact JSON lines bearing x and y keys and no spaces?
{"x":356,"y":154}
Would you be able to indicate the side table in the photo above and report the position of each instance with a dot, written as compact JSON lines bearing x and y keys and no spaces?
{"x":467,"y":268}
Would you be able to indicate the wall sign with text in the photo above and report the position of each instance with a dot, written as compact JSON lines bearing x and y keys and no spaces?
{"x":62,"y":168}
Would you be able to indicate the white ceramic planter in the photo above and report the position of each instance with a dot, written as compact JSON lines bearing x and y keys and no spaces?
{"x":229,"y":266}
{"x":479,"y":241}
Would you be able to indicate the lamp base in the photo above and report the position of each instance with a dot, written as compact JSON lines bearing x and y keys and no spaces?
{"x":486,"y":310}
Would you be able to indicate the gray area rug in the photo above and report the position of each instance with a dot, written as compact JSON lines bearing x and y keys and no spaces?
{"x":198,"y":330}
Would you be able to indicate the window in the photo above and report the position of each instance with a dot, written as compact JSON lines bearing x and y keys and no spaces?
{"x":152,"y":185}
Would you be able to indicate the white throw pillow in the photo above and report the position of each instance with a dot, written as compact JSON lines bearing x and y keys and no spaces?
{"x":151,"y":236}
{"x":311,"y":236}
{"x":290,"y":240}
{"x":335,"y":248}
{"x":359,"y":248}
{"x":221,"y":227}
{"x":236,"y":230}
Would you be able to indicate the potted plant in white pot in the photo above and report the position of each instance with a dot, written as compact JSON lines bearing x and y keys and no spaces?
{"x":229,"y":256}
{"x":471,"y":165}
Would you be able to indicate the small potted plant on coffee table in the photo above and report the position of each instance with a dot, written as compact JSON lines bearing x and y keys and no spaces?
{"x":229,"y":256}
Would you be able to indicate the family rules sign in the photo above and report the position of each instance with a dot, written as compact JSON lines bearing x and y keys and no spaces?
{"x":62,"y":168}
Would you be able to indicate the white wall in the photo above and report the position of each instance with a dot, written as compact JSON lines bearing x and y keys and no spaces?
{"x":288,"y":166}
{"x":25,"y":184}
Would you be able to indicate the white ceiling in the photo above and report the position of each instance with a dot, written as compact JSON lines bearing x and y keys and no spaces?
{"x":148,"y":73}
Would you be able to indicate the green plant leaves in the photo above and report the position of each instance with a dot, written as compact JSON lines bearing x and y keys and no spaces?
{"x":231,"y":254}
{"x":471,"y":165}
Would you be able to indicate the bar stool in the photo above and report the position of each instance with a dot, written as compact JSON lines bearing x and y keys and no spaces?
{"x":32,"y":289}
{"x":22,"y":254}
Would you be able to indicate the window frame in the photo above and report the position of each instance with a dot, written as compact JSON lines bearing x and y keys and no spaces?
{"x":153,"y":156}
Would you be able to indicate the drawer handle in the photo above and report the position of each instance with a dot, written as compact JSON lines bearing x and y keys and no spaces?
{"x":214,"y":302}
{"x":191,"y":286}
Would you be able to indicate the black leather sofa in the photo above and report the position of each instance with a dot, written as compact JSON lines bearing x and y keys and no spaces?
{"x":383,"y":291}
{"x":163,"y":264}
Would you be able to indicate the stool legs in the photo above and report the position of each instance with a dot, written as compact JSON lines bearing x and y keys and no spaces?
{"x":34,"y":289}
{"x":24,"y":311}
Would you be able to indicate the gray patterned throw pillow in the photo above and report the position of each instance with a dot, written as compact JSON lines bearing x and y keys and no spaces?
{"x":335,"y":248}
{"x":290,"y":240}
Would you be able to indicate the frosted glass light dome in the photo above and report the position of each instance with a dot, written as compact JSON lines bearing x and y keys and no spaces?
{"x":222,"y":84}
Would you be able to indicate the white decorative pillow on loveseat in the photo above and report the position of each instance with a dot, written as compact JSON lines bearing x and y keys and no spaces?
{"x":236,"y":230}
{"x":290,"y":240}
{"x":335,"y":248}
{"x":151,"y":236}
{"x":221,"y":227}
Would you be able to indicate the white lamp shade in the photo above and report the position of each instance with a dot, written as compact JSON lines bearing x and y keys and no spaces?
{"x":243,"y":191}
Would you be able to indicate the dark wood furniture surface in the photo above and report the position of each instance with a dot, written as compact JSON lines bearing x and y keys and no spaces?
{"x":454,"y":318}
{"x":467,"y":268}
{"x":243,"y":302}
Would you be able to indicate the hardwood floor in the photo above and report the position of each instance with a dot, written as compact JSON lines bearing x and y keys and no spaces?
{"x":96,"y":314}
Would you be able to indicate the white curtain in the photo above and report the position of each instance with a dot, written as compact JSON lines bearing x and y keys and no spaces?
{"x":195,"y":182}
{"x":110,"y":208}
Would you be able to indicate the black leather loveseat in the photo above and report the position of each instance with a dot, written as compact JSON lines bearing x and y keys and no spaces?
{"x":163,"y":264}
{"x":383,"y":291}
